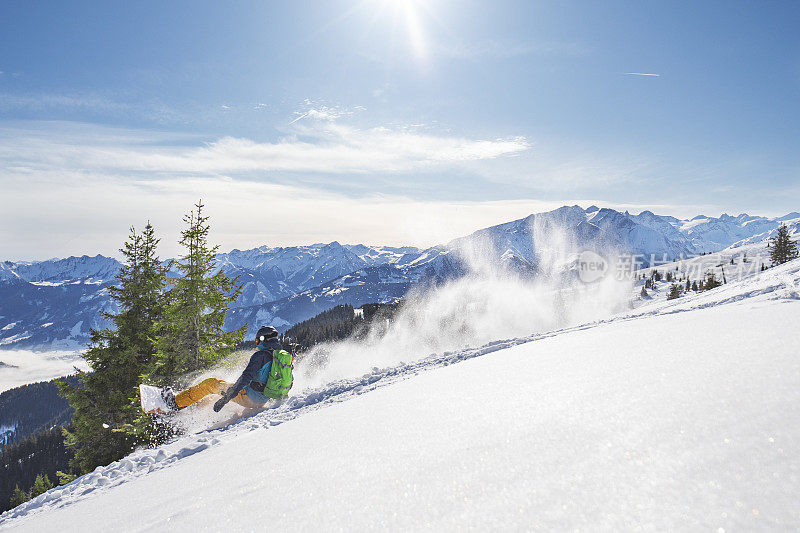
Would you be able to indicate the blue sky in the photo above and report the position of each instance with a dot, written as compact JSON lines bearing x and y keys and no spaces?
{"x":386,"y":121}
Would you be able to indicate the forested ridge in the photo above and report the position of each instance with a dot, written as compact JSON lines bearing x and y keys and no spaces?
{"x":338,"y":323}
{"x":26,"y":409}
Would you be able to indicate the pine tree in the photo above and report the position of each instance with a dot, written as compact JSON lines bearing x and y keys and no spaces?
{"x":191,"y":335}
{"x":783,"y":247}
{"x":694,"y":286}
{"x":674,"y":292}
{"x":41,"y":485}
{"x":65,"y":478}
{"x":106,"y":399}
{"x":711,"y":282}
{"x":18,"y":497}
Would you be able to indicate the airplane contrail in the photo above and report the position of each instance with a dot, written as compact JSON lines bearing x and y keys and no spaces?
{"x":304,"y":115}
{"x":642,"y":74}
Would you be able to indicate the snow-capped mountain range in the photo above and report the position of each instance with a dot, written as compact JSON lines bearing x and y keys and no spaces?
{"x":53,"y":304}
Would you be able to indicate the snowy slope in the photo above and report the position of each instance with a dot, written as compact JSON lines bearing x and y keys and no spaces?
{"x":679,"y":415}
{"x":742,"y":260}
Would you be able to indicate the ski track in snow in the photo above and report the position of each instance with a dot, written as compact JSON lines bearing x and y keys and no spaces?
{"x":779,"y":283}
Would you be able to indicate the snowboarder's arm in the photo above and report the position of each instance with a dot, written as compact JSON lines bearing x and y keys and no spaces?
{"x":257,"y":360}
{"x":247,"y":376}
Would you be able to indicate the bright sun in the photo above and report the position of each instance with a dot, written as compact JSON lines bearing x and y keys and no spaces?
{"x":415,"y":34}
{"x":410,"y":10}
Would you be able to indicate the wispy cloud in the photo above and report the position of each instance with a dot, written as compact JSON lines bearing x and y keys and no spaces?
{"x":319,"y":145}
{"x":81,"y":106}
{"x":316,"y":111}
{"x":643,"y":74}
{"x":47,"y":102}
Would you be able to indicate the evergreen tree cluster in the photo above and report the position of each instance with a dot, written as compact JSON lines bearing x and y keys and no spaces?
{"x":334,"y":324}
{"x":29,"y":466}
{"x":337,"y":323}
{"x":36,"y":414}
{"x":33,"y":407}
{"x":680,"y":285}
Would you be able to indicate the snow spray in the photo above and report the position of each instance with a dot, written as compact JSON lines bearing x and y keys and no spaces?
{"x":502,"y":296}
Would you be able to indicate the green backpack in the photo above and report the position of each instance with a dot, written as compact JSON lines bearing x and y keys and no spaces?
{"x":280,"y":375}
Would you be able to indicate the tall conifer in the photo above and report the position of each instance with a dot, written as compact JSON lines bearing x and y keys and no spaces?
{"x":783,"y":247}
{"x":106,"y":398}
{"x":18,"y":497}
{"x":191,"y":335}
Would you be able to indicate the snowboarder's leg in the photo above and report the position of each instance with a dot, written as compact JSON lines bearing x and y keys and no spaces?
{"x":197,"y":392}
{"x":244,"y":400}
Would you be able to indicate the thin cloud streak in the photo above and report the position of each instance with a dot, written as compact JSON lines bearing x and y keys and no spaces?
{"x":642,"y":74}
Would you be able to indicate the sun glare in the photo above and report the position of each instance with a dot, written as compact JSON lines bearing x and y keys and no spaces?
{"x":410,"y":11}
{"x":414,"y":25}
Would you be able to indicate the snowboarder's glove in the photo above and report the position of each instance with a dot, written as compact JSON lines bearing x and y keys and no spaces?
{"x":220,"y":404}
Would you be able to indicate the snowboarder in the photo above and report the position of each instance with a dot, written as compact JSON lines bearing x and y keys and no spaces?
{"x":267,"y":376}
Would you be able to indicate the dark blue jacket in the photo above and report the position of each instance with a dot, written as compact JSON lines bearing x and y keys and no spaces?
{"x":262,"y":357}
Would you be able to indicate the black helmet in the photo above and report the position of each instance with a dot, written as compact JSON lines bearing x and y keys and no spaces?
{"x":265,"y":333}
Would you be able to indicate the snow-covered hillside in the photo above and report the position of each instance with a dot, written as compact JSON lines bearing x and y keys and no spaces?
{"x":743,"y":260}
{"x":678,"y":415}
